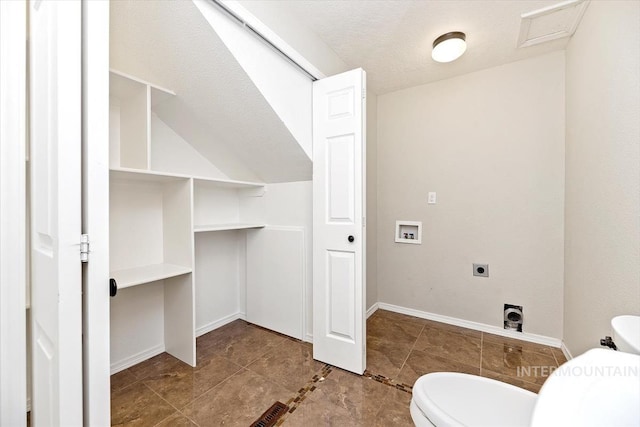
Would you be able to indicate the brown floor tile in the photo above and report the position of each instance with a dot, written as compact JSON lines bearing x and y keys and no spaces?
{"x":223,"y":334}
{"x":517,"y":363}
{"x":511,"y":380}
{"x":399,"y":331}
{"x":239,"y":401}
{"x":291,"y":364}
{"x":524,"y":345}
{"x":386,"y":357}
{"x":420,"y":363}
{"x":361,"y":397}
{"x":122,"y":379}
{"x":559,"y":355}
{"x":137,"y":405}
{"x":452,"y":328}
{"x":183,"y":383}
{"x":450,"y":345}
{"x":157,"y":365}
{"x":397,"y":317}
{"x":247,"y":346}
{"x":176,"y":420}
{"x":311,"y":413}
{"x":395,"y":412}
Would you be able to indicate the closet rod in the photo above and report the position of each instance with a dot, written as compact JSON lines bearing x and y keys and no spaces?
{"x":264,"y":39}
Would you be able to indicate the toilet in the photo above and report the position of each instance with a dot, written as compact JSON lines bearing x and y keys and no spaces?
{"x":599,"y":387}
{"x":454,"y":399}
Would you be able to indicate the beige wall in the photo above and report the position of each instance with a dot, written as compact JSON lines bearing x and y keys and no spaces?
{"x":372,"y":199}
{"x":491,"y":144}
{"x":602,"y":267}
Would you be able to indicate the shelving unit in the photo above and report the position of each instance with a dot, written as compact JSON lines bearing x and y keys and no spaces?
{"x":155,"y":216}
{"x":130,"y":102}
{"x":225,"y":227}
{"x":227,"y":205}
{"x":147,"y":274}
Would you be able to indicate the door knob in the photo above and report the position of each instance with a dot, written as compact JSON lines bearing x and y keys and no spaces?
{"x":351,"y":239}
{"x":113,"y":287}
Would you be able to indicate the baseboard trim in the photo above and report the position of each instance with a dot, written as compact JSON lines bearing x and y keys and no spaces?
{"x":211,"y":326}
{"x":538,"y":339}
{"x":136,"y":358}
{"x":372,"y":309}
{"x":565,"y":351}
{"x":308,"y":338}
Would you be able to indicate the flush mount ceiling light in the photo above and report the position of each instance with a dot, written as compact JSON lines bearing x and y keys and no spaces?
{"x":449,"y":47}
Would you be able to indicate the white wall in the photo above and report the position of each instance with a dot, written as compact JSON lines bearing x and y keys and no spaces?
{"x":137,"y":324}
{"x":275,"y":15}
{"x":171,"y":153}
{"x":219,"y":278}
{"x":290,"y":205}
{"x":372,"y":199}
{"x":283,"y":85}
{"x":491,"y":144}
{"x":602,"y":269}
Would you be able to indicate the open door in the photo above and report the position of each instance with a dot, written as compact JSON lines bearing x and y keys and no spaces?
{"x":339,"y":336}
{"x":55,"y":150}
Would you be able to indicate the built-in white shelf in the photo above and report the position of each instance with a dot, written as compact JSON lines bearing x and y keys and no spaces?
{"x":121,"y":85}
{"x":225,"y":227}
{"x":146,"y":274}
{"x":149,"y":175}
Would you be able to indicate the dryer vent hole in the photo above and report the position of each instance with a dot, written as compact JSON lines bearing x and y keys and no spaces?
{"x":513,"y":318}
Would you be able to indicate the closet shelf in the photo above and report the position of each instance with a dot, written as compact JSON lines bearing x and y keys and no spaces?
{"x":148,"y":273}
{"x":224,"y":227}
{"x":149,"y":175}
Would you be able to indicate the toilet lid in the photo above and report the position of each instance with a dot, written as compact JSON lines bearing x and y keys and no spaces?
{"x":454,"y":399}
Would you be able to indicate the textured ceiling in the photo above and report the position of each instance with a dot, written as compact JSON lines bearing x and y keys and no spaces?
{"x":392,"y":40}
{"x":217,"y":109}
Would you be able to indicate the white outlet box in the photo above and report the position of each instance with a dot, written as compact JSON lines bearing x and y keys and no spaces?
{"x":431,"y":198}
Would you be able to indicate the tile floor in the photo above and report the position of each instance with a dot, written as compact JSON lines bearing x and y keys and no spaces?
{"x":243,"y":369}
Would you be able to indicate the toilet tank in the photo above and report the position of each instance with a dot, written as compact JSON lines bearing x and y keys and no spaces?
{"x":626,"y":333}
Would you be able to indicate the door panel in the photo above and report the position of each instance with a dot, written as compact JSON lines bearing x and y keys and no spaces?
{"x":340,"y":171}
{"x":55,"y":126}
{"x":338,"y":235}
{"x":341,"y":295}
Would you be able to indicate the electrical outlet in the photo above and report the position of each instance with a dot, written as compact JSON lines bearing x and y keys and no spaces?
{"x":481,"y":270}
{"x":431,"y":198}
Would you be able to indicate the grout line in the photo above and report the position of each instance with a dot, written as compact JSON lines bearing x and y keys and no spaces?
{"x":412,"y":347}
{"x":164,"y":419}
{"x":481,"y":348}
{"x":165,"y":400}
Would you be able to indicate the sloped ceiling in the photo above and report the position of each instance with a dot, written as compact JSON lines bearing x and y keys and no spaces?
{"x":392,"y":39}
{"x":217,"y":109}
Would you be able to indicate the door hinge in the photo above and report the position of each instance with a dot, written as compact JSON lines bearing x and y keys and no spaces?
{"x":84,"y":248}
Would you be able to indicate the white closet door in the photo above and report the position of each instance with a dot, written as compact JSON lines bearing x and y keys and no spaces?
{"x":56,"y":299}
{"x":338,"y":237}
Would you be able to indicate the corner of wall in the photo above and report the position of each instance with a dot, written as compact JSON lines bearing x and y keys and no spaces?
{"x":602,"y":186}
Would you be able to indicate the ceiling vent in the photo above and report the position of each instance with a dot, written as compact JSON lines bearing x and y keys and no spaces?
{"x":550,"y":23}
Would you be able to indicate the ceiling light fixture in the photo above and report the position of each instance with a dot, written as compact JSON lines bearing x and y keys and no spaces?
{"x":449,"y":47}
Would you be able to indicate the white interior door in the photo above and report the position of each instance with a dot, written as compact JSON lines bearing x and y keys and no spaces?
{"x":55,"y":131}
{"x":13,"y":347}
{"x":339,"y":336}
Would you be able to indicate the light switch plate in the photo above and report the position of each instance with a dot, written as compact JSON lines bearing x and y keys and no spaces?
{"x":431,"y":198}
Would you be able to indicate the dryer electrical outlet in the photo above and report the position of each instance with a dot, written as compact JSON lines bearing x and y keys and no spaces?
{"x":481,"y":270}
